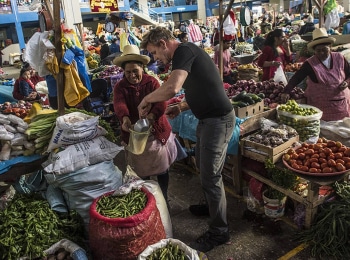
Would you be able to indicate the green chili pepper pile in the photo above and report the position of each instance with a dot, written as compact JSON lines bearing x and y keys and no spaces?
{"x":170,"y":251}
{"x":122,"y":206}
{"x":329,"y":236}
{"x":28,"y":227}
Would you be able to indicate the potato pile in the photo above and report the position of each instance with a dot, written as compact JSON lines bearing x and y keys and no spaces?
{"x":326,"y":156}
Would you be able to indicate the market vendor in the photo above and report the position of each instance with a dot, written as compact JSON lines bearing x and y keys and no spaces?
{"x":228,"y":75}
{"x":328,"y":78}
{"x":26,"y":86}
{"x":275,"y":53}
{"x":160,"y":151}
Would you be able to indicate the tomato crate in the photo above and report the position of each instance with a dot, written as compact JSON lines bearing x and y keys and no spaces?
{"x":260,"y":152}
{"x":243,"y":112}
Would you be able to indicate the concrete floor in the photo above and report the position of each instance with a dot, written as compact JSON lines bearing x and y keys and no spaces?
{"x":253,"y":236}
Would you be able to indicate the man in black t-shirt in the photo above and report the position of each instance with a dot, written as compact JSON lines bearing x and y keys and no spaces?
{"x":195,"y":72}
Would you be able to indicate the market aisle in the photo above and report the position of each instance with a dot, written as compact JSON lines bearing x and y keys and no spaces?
{"x":252,"y":237}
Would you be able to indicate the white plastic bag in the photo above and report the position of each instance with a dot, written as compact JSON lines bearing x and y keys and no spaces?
{"x":280,"y":76}
{"x":229,"y":26}
{"x":189,"y":252}
{"x":74,"y":128}
{"x":332,"y":20}
{"x":80,"y":155}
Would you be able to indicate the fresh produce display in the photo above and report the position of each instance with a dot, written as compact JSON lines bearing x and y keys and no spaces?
{"x":292,"y":67}
{"x":19,"y":109}
{"x":303,"y":118}
{"x":273,"y":136}
{"x":122,"y":206}
{"x":169,"y":251}
{"x":325,"y":157}
{"x":28,"y":227}
{"x":328,"y":237}
{"x":248,"y":66}
{"x":244,"y":99}
{"x":271,"y":90}
{"x":107,"y":71}
{"x":93,"y":60}
{"x":294,"y":108}
{"x":244,"y":47}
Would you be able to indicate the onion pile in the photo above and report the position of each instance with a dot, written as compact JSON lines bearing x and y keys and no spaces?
{"x":271,"y":89}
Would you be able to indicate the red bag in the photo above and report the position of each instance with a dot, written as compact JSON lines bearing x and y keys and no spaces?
{"x":124,"y":238}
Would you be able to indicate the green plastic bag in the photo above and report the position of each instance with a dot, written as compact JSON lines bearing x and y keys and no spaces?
{"x":329,"y":6}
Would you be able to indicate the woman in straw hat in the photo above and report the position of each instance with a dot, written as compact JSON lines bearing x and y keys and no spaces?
{"x":160,"y":151}
{"x":328,"y":78}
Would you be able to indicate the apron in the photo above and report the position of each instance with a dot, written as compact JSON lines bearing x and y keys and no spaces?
{"x":325,"y":95}
{"x":156,"y":158}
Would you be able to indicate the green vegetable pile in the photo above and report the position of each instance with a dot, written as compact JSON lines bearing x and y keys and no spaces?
{"x":170,"y":251}
{"x":41,"y":128}
{"x":329,"y":236}
{"x":122,"y":206}
{"x":28,"y":227}
{"x":283,"y":177}
{"x":303,"y":119}
{"x":293,"y":107}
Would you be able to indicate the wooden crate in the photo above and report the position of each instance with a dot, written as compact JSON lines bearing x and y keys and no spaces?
{"x":243,"y":112}
{"x":252,"y":124}
{"x":262,"y":152}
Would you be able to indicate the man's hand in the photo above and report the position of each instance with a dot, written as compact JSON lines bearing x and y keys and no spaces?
{"x":144,"y":107}
{"x":172,"y":111}
{"x":284,"y":97}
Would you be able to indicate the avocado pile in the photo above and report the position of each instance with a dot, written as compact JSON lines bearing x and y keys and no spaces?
{"x":244,"y":99}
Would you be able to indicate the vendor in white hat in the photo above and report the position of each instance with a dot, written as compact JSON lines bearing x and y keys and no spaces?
{"x":328,"y":78}
{"x":160,"y":151}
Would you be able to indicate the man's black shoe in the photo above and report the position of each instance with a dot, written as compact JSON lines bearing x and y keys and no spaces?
{"x":209,"y":240}
{"x":199,"y":210}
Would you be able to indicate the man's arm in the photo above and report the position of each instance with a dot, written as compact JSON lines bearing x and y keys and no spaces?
{"x":172,"y":86}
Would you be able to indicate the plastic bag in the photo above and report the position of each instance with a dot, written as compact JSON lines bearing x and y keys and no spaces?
{"x":280,"y":76}
{"x":189,"y":252}
{"x":332,"y":20}
{"x":74,"y":128}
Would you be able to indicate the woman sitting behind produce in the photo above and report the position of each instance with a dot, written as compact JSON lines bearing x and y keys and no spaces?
{"x":160,"y":151}
{"x":275,"y":53}
{"x":309,"y":25}
{"x":26,"y":86}
{"x":328,"y":78}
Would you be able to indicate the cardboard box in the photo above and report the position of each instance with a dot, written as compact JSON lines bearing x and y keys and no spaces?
{"x":243,"y":112}
{"x":260,"y":152}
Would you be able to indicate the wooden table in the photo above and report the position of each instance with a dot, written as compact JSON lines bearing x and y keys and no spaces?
{"x":312,"y":201}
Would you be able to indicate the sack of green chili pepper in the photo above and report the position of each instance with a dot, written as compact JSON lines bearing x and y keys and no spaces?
{"x":170,"y":249}
{"x":120,"y":229}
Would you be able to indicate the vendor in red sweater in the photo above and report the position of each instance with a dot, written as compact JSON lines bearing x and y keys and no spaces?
{"x":160,"y":151}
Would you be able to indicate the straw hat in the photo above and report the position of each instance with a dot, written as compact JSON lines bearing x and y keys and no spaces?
{"x":320,"y":36}
{"x":131,"y":53}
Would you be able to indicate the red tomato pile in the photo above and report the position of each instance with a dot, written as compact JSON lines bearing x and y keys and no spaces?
{"x":325,"y":156}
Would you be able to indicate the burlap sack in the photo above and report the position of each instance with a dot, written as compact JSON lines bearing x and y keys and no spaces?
{"x":247,"y":74}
